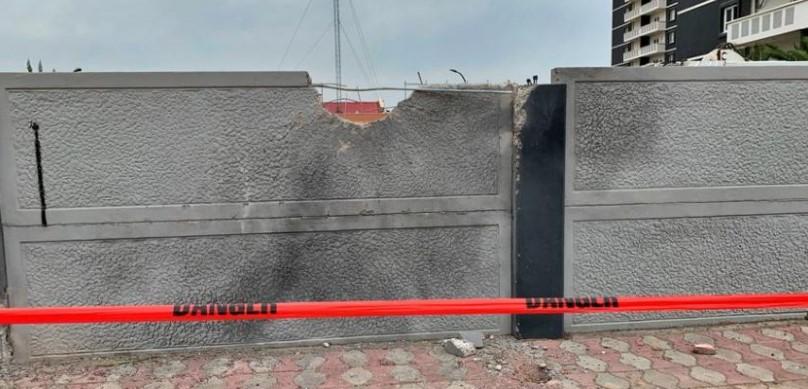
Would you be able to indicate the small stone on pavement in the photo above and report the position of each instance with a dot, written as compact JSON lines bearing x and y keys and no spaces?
{"x":475,"y":337}
{"x":459,"y":347}
{"x":704,"y":348}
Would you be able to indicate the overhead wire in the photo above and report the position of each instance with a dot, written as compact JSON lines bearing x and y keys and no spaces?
{"x":398,"y":88}
{"x":297,"y":28}
{"x":356,"y":57}
{"x":363,"y":44}
{"x":314,"y":46}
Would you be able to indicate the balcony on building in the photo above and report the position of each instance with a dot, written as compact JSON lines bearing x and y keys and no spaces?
{"x":651,"y":49}
{"x":643,"y":9}
{"x":769,"y":23}
{"x":649,"y":28}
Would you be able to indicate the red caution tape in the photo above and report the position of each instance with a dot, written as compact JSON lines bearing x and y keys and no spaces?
{"x":337,"y":309}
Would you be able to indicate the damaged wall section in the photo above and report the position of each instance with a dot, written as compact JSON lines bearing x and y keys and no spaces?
{"x":192,"y":187}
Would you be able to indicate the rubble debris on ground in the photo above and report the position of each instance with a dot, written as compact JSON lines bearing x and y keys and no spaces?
{"x":459,"y":347}
{"x":475,"y":337}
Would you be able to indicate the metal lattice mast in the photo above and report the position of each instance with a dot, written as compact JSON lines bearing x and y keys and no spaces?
{"x":337,"y":53}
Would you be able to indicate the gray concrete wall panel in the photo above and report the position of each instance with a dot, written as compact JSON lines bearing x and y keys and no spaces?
{"x":178,"y":187}
{"x":303,"y":266}
{"x":131,"y":147}
{"x":709,"y":255}
{"x":684,"y":180}
{"x":636,"y":135}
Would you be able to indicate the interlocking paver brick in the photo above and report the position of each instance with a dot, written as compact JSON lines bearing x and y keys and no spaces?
{"x":777,"y":334}
{"x":727,"y":355}
{"x":213,"y":383}
{"x":656,"y":343}
{"x":706,"y":375}
{"x":635,"y":380}
{"x":260,"y":381}
{"x":694,"y":338}
{"x":612,"y":360}
{"x":609,"y":381}
{"x":584,"y":380}
{"x":794,"y":367}
{"x":460,"y":385}
{"x":738,"y":337}
{"x":158,"y":385}
{"x":615,"y":344}
{"x":399,"y":356}
{"x":262,"y":365}
{"x":310,"y":362}
{"x":636,"y":361}
{"x":756,"y":372}
{"x":310,"y":379}
{"x":354,"y":358}
{"x":168,"y":369}
{"x":406,"y":374}
{"x":357,"y":376}
{"x":573,"y":347}
{"x":800,"y":347}
{"x":766,"y":351}
{"x":217,"y":367}
{"x":591,"y":363}
{"x":660,"y":379}
{"x":680,"y":358}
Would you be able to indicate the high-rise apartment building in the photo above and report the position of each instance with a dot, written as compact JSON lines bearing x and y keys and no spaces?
{"x":664,"y":31}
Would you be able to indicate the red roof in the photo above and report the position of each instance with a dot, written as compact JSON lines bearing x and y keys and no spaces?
{"x":354,"y":106}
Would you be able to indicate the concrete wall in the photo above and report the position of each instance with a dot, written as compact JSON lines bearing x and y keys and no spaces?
{"x":175,"y":187}
{"x":684,"y":181}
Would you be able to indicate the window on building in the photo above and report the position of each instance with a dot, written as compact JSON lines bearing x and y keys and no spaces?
{"x":672,"y":15}
{"x":728,"y":14}
{"x":671,"y":37}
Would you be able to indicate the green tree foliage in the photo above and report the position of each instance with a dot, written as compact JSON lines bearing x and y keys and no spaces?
{"x":767,"y":52}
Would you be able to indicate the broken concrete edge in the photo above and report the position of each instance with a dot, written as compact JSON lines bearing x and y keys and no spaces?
{"x":408,"y":103}
{"x":520,"y":97}
{"x":5,"y":346}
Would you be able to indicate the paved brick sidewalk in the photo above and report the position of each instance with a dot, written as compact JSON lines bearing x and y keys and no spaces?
{"x":765,"y":355}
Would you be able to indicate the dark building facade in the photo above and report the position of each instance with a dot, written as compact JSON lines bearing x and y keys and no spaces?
{"x":665,"y":31}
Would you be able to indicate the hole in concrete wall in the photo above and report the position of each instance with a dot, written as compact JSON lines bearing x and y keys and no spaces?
{"x":360,"y":112}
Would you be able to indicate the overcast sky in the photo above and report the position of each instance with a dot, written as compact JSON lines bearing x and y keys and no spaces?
{"x":487,"y":40}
